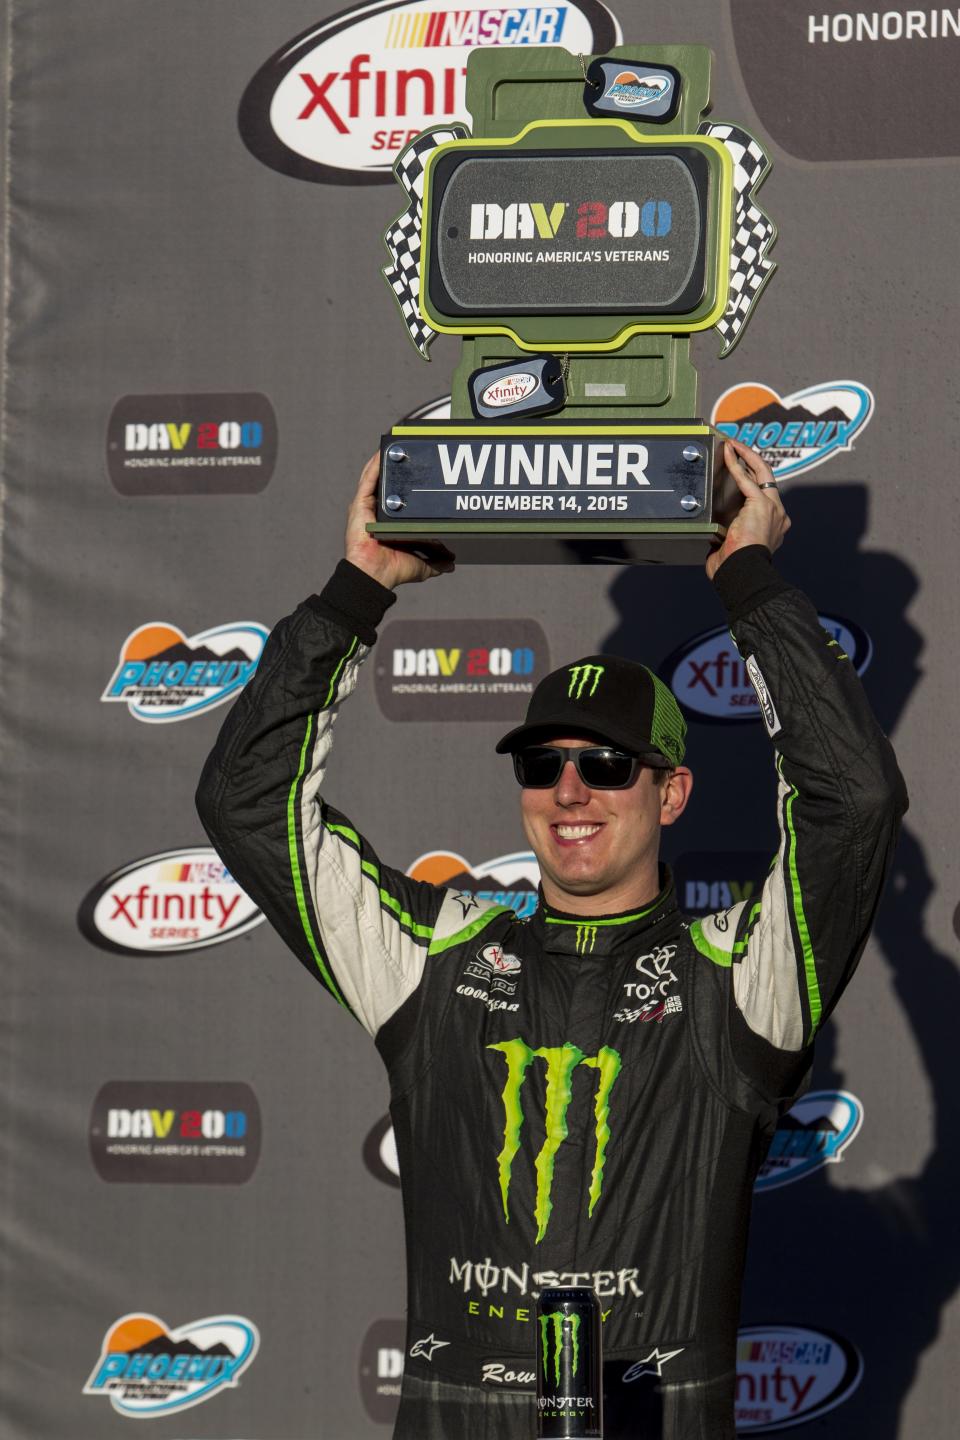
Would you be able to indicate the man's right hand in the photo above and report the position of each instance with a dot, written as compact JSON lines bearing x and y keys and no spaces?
{"x":389,"y":564}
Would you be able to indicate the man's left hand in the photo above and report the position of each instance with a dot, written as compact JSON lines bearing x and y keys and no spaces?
{"x":761,"y":519}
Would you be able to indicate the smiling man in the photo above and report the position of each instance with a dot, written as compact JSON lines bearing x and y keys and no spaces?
{"x":585,"y":1097}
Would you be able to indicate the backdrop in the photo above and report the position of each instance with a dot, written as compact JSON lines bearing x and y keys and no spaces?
{"x":199,"y":355}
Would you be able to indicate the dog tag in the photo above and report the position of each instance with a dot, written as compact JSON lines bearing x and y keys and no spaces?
{"x":632,"y":88}
{"x":529,"y":385}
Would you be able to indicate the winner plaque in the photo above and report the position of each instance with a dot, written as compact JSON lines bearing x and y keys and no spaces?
{"x":575,"y":240}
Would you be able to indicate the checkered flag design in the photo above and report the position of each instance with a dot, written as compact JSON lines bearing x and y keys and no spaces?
{"x":753,"y":231}
{"x":403,"y":239}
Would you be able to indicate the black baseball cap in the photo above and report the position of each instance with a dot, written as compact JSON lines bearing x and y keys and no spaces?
{"x":604,"y":697}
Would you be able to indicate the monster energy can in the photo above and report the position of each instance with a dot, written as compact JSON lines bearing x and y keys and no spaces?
{"x":569,"y":1372}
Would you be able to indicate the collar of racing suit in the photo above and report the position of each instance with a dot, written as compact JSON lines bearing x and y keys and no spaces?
{"x":560,"y":933}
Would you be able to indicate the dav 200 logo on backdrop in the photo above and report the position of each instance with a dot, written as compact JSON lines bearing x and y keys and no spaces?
{"x":340,"y":101}
{"x":459,"y":669}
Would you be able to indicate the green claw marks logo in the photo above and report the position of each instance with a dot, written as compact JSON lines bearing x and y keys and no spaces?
{"x":561,"y":1061}
{"x":584,"y":680}
{"x":585,"y":938}
{"x":552,"y":1328}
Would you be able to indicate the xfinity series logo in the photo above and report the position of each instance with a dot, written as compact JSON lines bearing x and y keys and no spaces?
{"x":337,"y":103}
{"x":814,"y":1133}
{"x":509,"y":880}
{"x":788,"y":1374}
{"x":510,"y":390}
{"x":146,"y":1369}
{"x":174,"y":901}
{"x":800,"y":431}
{"x":712,"y":682}
{"x":191,"y":444}
{"x":163,"y":675}
{"x":175,"y":1132}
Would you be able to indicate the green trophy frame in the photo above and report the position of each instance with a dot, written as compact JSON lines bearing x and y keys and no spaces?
{"x":583,"y":249}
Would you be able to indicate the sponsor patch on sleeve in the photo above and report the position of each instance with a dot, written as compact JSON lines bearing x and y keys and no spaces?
{"x":767,"y":708}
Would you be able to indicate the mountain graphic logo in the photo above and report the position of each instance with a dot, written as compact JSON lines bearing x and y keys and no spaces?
{"x":814,"y":1133}
{"x":509,"y":880}
{"x":798,"y":432}
{"x":146,"y":1369}
{"x":164,"y":675}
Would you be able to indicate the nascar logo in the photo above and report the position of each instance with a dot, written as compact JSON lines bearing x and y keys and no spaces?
{"x":339,"y":102}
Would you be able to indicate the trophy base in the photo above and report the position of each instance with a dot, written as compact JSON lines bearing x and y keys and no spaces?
{"x":559,"y":544}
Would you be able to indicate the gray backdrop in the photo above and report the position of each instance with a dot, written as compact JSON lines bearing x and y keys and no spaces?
{"x":149,"y":252}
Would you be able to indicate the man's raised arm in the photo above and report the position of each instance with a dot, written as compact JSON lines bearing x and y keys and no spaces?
{"x":840,"y":797}
{"x":361,"y":929}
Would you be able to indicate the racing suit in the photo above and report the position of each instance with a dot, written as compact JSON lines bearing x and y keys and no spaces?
{"x":576,"y":1100}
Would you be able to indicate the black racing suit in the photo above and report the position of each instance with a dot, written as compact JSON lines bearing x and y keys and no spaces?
{"x":575,"y":1100}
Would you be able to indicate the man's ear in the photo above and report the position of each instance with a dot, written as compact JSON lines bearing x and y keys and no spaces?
{"x":674,"y":794}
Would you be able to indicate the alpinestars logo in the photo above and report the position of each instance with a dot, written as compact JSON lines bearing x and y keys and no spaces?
{"x":556,"y":1331}
{"x":584,"y":680}
{"x":651,"y":1364}
{"x":560,"y":1061}
{"x":425,"y":1348}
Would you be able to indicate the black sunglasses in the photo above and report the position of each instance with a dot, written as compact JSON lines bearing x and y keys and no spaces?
{"x":539,"y":767}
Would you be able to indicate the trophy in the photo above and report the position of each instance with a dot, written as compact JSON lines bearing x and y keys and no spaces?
{"x":586,"y":228}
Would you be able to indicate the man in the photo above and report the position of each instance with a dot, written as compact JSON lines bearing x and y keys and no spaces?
{"x":584,"y":1097}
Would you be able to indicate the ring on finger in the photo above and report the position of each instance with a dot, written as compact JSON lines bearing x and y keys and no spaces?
{"x":768,"y":484}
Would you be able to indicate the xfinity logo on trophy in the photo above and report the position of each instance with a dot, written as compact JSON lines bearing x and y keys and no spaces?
{"x":146,"y":1369}
{"x":164,"y":675}
{"x":510,"y":390}
{"x":175,"y":1132}
{"x":191,"y":444}
{"x":509,"y":880}
{"x":459,"y":669}
{"x":800,"y":431}
{"x":337,"y":103}
{"x":173,"y":901}
{"x":814,"y":1133}
{"x":788,"y":1374}
{"x":712,"y":682}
